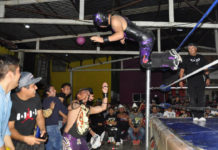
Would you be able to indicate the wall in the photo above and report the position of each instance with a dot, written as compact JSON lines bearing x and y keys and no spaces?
{"x":5,"y":51}
{"x":81,"y":79}
{"x":135,"y":82}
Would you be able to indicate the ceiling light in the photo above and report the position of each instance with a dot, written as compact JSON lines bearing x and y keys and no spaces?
{"x":27,"y":26}
{"x":180,"y":30}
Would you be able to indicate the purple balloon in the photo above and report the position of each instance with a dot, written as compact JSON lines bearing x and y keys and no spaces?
{"x":80,"y":40}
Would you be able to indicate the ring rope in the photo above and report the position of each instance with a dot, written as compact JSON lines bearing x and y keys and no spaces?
{"x":177,"y":88}
{"x":200,"y":21}
{"x":193,"y":73}
{"x":167,"y":105}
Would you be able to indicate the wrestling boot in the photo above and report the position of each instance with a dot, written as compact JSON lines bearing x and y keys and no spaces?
{"x":176,"y":58}
{"x":169,"y":59}
{"x":144,"y":58}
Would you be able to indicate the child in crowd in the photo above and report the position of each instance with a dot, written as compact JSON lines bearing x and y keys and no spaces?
{"x":169,"y":113}
{"x":112,"y":127}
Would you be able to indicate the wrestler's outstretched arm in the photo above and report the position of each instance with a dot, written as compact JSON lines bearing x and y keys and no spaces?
{"x":103,"y":106}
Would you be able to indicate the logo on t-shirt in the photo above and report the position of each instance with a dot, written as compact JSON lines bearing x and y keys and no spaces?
{"x":27,"y":115}
{"x":196,"y":60}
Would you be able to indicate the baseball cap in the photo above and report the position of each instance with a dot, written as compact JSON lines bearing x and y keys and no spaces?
{"x":120,"y":106}
{"x":27,"y":78}
{"x":134,"y":105}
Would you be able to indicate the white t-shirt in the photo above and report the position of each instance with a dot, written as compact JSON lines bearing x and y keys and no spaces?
{"x":168,"y":114}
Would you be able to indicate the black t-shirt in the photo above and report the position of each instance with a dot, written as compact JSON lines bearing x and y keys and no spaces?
{"x":95,"y":119}
{"x":24,"y":113}
{"x":192,"y":63}
{"x":123,"y":123}
{"x":111,"y":118}
{"x":65,"y":98}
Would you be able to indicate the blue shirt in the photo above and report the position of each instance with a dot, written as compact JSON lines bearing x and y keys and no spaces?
{"x":53,"y":119}
{"x":5,"y":111}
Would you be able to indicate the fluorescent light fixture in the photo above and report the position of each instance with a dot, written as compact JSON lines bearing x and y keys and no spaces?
{"x":180,"y":30}
{"x":27,"y":26}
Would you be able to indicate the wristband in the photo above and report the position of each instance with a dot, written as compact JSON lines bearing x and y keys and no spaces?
{"x":105,"y":39}
{"x":105,"y":95}
{"x":207,"y":76}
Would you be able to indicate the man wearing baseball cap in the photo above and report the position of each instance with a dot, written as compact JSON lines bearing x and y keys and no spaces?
{"x":136,"y":130}
{"x":26,"y":112}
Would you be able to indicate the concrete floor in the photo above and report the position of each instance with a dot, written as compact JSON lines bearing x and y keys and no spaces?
{"x":127,"y":145}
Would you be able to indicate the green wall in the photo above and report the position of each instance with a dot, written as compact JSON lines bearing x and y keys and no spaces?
{"x":5,"y":51}
{"x":83,"y":79}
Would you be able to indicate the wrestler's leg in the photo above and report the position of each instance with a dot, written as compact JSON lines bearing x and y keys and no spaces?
{"x":145,"y":48}
{"x":169,"y":59}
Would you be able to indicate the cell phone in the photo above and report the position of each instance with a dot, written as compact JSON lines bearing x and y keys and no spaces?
{"x":38,"y":133}
{"x":45,"y":136}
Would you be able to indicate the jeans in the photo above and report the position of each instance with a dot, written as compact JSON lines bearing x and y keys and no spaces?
{"x":54,"y":139}
{"x":138,"y":136}
{"x":60,"y":124}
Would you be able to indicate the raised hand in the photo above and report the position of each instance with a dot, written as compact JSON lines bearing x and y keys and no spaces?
{"x":105,"y":87}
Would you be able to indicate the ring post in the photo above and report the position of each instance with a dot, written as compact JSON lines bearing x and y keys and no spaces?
{"x":147,"y":112}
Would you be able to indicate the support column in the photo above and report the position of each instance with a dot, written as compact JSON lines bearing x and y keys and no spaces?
{"x":21,"y":58}
{"x":158,"y":40}
{"x":81,"y":9}
{"x":171,"y":10}
{"x":37,"y":44}
{"x":216,"y":39}
{"x":71,"y":82}
{"x":98,"y":45}
{"x":2,"y":11}
{"x":147,"y":112}
{"x":216,"y":30}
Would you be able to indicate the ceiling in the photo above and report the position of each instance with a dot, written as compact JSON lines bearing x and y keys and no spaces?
{"x":135,"y":10}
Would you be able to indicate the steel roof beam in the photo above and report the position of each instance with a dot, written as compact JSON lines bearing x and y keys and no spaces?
{"x":22,"y":2}
{"x":151,"y":24}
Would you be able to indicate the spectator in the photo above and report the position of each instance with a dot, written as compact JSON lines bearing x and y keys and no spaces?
{"x":183,"y":113}
{"x":169,"y":113}
{"x":66,"y":90}
{"x":176,"y":101}
{"x":62,"y":120}
{"x":123,"y":122}
{"x":207,"y":113}
{"x":9,"y":76}
{"x":136,"y":130}
{"x":54,"y":142}
{"x":112,"y":127}
{"x":25,"y":113}
{"x":155,"y":113}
